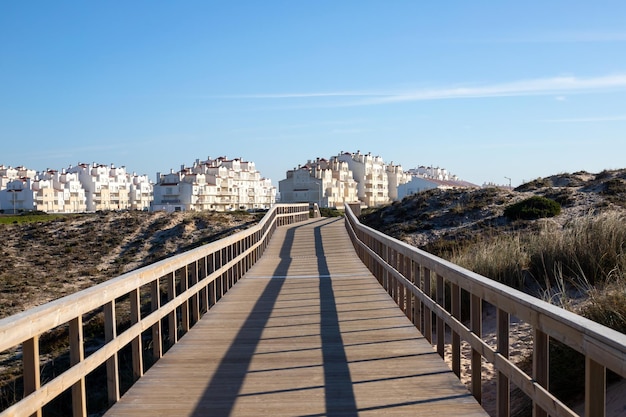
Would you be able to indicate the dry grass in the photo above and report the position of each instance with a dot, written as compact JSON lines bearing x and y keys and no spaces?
{"x":47,"y":257}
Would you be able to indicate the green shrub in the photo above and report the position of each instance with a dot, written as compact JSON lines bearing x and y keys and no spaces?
{"x":535,"y":207}
{"x":330,"y":212}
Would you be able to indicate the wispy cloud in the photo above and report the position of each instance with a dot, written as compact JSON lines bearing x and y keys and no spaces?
{"x":541,"y":86}
{"x":588,"y":36}
{"x":590,"y":119}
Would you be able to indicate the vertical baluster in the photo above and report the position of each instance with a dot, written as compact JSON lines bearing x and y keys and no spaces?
{"x":541,"y":363}
{"x":136,"y":345}
{"x":172,"y":319}
{"x":155,"y":304}
{"x":77,"y":355}
{"x":476,"y":360}
{"x":32,"y":377}
{"x":428,"y":317}
{"x":595,"y":388}
{"x":194,"y":305}
{"x":401,"y":296}
{"x":503,"y":396}
{"x":417,"y":312}
{"x":441,"y":333}
{"x":184,"y":307}
{"x":201,"y":274}
{"x":112,"y":365}
{"x":455,"y":300}
{"x":408,"y":274}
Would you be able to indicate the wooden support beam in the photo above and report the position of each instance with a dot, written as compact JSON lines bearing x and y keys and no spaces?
{"x":77,"y":355}
{"x":503,"y":390}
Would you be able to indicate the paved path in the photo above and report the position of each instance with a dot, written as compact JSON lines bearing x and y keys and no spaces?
{"x":307,"y":332}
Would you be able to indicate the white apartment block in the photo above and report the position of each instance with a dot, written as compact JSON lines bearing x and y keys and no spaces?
{"x":112,"y":188}
{"x":140,"y":195}
{"x":427,"y":178}
{"x":59,"y":192}
{"x":396,"y":177}
{"x":371,"y":176}
{"x":16,"y":195}
{"x":219,"y":184}
{"x":327,"y":183}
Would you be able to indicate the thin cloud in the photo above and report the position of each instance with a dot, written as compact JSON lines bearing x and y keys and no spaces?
{"x":559,"y":37}
{"x":590,"y":119}
{"x":305,"y":95}
{"x":543,"y":86}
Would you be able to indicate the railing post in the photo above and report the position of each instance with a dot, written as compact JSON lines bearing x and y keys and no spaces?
{"x":455,"y":300}
{"x":441,"y":336}
{"x":77,"y":355}
{"x":417,"y":307}
{"x":155,"y":304}
{"x":409,"y":294}
{"x":172,"y":320}
{"x":541,"y":362}
{"x":595,"y":388}
{"x":32,"y":378}
{"x":194,"y":305}
{"x":112,"y":365}
{"x":503,"y":391}
{"x":184,"y":307}
{"x":476,"y":360}
{"x":428,"y":315}
{"x":136,"y":344}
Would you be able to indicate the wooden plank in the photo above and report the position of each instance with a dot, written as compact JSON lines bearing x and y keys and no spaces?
{"x":307,"y":331}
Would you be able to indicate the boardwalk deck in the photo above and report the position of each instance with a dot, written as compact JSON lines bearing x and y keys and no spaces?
{"x":307,"y":332}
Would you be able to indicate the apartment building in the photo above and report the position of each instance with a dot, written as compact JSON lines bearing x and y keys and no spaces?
{"x":219,"y":184}
{"x":59,"y":192}
{"x":140,"y":195}
{"x":329,"y":183}
{"x":396,"y":177}
{"x":371,"y":176}
{"x":16,"y":195}
{"x":426,"y":178}
{"x":112,"y":188}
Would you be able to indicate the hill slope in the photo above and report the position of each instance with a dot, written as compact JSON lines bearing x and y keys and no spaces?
{"x":45,"y":260}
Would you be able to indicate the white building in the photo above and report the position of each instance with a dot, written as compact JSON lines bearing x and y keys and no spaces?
{"x":17,"y":196}
{"x":59,"y":192}
{"x":329,"y":183}
{"x":427,"y":178}
{"x":219,"y":184}
{"x":371,"y":176}
{"x":140,"y":195}
{"x":109,"y":188}
{"x":73,"y":190}
{"x":396,"y":177}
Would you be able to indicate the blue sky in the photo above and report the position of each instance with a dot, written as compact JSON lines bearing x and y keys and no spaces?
{"x":486,"y":89}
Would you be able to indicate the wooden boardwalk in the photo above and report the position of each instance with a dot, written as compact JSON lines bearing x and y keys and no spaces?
{"x":307,"y":332}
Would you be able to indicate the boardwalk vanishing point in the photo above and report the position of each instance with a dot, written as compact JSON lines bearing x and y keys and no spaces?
{"x":308,"y":332}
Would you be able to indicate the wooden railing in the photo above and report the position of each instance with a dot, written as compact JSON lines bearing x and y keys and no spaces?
{"x":152,"y":306}
{"x":428,"y":288}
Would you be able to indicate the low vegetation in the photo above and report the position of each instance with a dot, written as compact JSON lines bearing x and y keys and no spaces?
{"x":44,"y":257}
{"x":561,"y":238}
{"x":535,"y":207}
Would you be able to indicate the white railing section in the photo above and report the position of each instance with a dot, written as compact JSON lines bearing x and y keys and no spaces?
{"x":154,"y":305}
{"x":418,"y":282}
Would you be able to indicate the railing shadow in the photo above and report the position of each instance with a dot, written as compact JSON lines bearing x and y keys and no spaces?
{"x":227,"y":381}
{"x":338,"y":387}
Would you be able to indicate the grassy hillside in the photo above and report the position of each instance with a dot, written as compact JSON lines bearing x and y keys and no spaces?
{"x":44,"y":257}
{"x":574,"y":255}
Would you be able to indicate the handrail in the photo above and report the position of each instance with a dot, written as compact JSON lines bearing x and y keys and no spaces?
{"x":192,"y":283}
{"x":408,"y":273}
